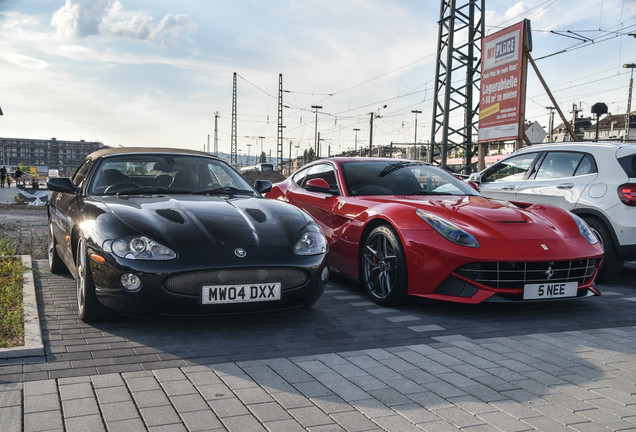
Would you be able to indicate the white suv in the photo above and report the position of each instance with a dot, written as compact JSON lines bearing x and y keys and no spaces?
{"x":596,"y":181}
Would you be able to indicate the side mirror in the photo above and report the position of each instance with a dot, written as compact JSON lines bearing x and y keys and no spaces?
{"x":317,"y":185}
{"x":61,"y":184}
{"x":263,"y":186}
{"x":474,"y":180}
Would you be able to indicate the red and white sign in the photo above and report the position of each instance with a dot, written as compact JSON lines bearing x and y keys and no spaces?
{"x":500,"y":90}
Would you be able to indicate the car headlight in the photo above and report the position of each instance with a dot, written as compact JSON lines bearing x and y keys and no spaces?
{"x":449,"y":231}
{"x":141,"y":248}
{"x":311,"y":241}
{"x":584,"y":229}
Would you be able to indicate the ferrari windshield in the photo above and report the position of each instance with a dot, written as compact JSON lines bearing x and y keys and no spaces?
{"x":386,"y":177}
{"x":149,"y":173}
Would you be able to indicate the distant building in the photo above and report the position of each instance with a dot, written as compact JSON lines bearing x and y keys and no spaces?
{"x":535,"y":132}
{"x":612,"y":128}
{"x":65,"y":156}
{"x":561,"y":133}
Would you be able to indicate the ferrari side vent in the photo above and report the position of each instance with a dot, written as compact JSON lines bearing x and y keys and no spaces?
{"x":172,"y":215}
{"x":513,"y":275}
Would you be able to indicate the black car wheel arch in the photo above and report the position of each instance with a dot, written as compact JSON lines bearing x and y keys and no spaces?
{"x":56,"y":265}
{"x":611,"y":264}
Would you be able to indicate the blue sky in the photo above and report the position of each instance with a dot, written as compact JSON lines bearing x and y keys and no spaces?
{"x":154,"y":72}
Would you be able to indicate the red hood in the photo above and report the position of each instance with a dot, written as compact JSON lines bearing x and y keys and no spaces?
{"x":489,"y":218}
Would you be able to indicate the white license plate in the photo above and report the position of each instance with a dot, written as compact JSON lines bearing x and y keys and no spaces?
{"x":550,"y":290}
{"x":216,"y":294}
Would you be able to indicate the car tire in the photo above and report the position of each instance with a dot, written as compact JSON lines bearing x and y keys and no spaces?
{"x":56,"y":265}
{"x":88,"y":307}
{"x":611,"y":264}
{"x":383,"y":267}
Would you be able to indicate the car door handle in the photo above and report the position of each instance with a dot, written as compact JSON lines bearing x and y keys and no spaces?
{"x":509,"y":187}
{"x":565,"y":186}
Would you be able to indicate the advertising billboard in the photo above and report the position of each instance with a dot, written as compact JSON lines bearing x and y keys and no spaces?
{"x":501,"y":84}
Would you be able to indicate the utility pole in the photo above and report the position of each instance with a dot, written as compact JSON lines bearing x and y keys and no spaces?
{"x":416,"y":112}
{"x":628,"y":115}
{"x":216,"y":134}
{"x":233,"y":144}
{"x":290,"y":159}
{"x":551,"y":123}
{"x":371,"y":136}
{"x":279,"y":142}
{"x":316,"y":108}
{"x":356,"y":142}
{"x":575,"y":111}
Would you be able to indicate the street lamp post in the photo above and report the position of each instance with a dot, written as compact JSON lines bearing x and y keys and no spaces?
{"x":356,"y":142}
{"x":416,"y":112}
{"x":316,"y":108}
{"x":628,"y":115}
{"x":260,"y":155}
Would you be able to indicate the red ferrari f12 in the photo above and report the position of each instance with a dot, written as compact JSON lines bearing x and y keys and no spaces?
{"x":407,"y":228}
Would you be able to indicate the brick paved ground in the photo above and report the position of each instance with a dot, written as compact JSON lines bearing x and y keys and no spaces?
{"x":344,"y":365}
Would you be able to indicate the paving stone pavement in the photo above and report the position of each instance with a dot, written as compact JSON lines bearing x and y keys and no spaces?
{"x":136,"y":375}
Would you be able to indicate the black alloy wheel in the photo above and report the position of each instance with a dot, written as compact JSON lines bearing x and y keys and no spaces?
{"x":383,"y":267}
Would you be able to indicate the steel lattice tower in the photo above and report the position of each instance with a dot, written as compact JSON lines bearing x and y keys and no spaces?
{"x":216,"y":133}
{"x":279,"y":142}
{"x":233,"y":144}
{"x":457,"y":74}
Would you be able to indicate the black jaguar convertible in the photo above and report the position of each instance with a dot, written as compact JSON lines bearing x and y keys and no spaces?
{"x":168,"y":231}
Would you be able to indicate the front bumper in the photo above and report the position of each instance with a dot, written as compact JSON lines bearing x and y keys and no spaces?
{"x":167,"y":289}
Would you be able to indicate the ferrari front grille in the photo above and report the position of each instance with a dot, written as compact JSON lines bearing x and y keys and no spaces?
{"x":513,"y":275}
{"x":190,"y":283}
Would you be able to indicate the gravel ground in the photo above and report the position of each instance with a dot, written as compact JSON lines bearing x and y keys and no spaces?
{"x":25,"y":228}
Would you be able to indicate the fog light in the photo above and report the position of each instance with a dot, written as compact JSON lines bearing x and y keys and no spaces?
{"x":325,"y":274}
{"x":130,"y":282}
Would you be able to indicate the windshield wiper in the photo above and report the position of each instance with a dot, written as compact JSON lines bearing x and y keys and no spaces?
{"x":430,"y":193}
{"x":396,"y":166}
{"x":226,"y":190}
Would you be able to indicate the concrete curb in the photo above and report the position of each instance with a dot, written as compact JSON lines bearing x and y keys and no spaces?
{"x":33,"y":345}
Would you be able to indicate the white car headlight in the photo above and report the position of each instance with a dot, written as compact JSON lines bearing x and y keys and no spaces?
{"x":584,"y":229}
{"x":141,"y":248}
{"x":449,"y":231}
{"x":311,"y":241}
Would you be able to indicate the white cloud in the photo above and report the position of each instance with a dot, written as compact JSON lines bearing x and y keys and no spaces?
{"x":24,"y":61}
{"x":84,"y":18}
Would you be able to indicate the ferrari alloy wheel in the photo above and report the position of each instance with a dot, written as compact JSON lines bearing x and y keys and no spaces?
{"x":384,"y":267}
{"x":611,"y":263}
{"x":88,"y":308}
{"x":56,"y":265}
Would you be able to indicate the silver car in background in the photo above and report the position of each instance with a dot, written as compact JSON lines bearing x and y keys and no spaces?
{"x":596,"y":181}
